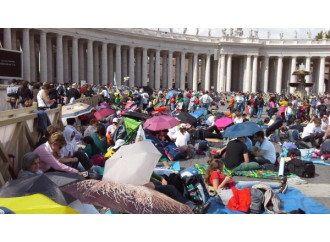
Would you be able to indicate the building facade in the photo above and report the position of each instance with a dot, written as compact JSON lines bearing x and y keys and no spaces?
{"x":232,"y":62}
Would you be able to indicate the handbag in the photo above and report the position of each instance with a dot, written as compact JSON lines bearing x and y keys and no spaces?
{"x":28,"y":103}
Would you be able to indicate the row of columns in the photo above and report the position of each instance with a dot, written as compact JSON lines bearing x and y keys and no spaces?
{"x":138,"y":66}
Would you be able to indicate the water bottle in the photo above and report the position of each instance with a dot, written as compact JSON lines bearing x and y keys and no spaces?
{"x":281,"y":169}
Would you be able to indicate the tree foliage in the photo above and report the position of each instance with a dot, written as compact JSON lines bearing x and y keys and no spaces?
{"x":320,"y":35}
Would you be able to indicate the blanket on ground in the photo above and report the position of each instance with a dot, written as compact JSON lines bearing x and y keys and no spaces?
{"x":264,"y":174}
{"x":292,"y":200}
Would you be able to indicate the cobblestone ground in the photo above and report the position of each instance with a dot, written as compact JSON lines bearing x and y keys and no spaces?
{"x":317,"y":187}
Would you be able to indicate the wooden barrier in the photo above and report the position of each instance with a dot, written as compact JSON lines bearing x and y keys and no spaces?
{"x":19,"y":135}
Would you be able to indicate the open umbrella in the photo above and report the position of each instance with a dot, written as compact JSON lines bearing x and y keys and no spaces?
{"x":161,"y":122}
{"x":47,"y":184}
{"x":103,"y":113}
{"x":34,"y":204}
{"x":136,"y":115}
{"x":132,"y":164}
{"x":241,"y":129}
{"x":75,"y":110}
{"x":223,"y":122}
{"x":185,"y":117}
{"x":169,"y":94}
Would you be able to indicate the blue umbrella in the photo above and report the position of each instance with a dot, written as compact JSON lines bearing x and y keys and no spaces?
{"x":241,"y":129}
{"x":170,"y":93}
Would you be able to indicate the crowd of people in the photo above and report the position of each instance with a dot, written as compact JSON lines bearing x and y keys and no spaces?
{"x":79,"y":147}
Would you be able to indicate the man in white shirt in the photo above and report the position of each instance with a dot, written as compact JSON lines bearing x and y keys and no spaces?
{"x":206,"y":100}
{"x":264,"y":151}
{"x":312,"y":132}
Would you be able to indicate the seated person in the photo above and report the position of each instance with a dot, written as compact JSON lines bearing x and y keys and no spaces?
{"x":111,"y":128}
{"x":30,"y":165}
{"x":100,"y":139}
{"x":215,"y":178}
{"x":263,"y":151}
{"x":91,"y":127}
{"x":49,"y":131}
{"x":313,"y":132}
{"x":182,"y":137}
{"x":210,"y":132}
{"x":238,"y":118}
{"x":50,"y":152}
{"x":237,"y":156}
{"x":71,"y":124}
{"x":71,"y":153}
{"x":90,"y":148}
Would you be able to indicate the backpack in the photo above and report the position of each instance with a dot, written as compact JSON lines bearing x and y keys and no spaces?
{"x":196,"y":190}
{"x":292,"y":153}
{"x":172,"y":151}
{"x":203,"y":145}
{"x":196,"y":101}
{"x":301,"y":168}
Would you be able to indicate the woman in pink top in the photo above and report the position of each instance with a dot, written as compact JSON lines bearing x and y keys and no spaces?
{"x":50,"y":153}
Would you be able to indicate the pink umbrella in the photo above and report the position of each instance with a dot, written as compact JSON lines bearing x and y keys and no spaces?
{"x":161,"y":122}
{"x":223,"y":122}
{"x":105,"y":112}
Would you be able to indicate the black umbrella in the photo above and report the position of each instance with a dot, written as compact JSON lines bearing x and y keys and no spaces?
{"x":136,"y":115}
{"x":148,"y":90}
{"x":47,"y":184}
{"x":184,"y":117}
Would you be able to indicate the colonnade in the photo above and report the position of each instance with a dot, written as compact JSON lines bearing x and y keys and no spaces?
{"x":56,"y":57}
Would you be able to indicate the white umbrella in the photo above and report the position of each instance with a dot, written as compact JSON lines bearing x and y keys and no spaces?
{"x":132,"y":164}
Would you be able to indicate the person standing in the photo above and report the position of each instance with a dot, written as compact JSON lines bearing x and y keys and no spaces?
{"x":206,"y":100}
{"x":44,"y":102}
{"x":24,"y":96}
{"x":12,"y":90}
{"x":72,"y":93}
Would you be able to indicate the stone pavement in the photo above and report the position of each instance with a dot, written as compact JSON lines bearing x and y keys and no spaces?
{"x":317,"y":188}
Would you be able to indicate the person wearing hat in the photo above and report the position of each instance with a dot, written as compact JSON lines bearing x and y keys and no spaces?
{"x":111,"y":128}
{"x":182,"y":137}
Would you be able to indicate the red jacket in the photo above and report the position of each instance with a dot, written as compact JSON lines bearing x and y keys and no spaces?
{"x":241,"y":200}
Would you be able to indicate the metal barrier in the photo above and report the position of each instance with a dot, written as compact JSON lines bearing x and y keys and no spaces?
{"x":19,"y":135}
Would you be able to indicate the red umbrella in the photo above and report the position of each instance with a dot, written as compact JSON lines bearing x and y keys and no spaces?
{"x":161,"y":122}
{"x":103,"y":113}
{"x":223,"y":122}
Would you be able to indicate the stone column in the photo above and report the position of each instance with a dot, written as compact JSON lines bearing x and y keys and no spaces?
{"x":247,"y":76}
{"x":90,"y":66}
{"x":138,"y":68}
{"x":110,"y":62}
{"x":124,"y":64}
{"x":222,"y":73}
{"x":75,"y":60}
{"x":81,"y":60}
{"x":96,"y":61}
{"x":228,"y":81}
{"x":7,"y":38}
{"x":195,"y":72}
{"x":164,"y":71}
{"x":26,"y":55}
{"x":254,"y":74}
{"x":131,"y":66}
{"x":177,"y":71}
{"x":50,"y":73}
{"x":169,"y":70}
{"x":265,"y":72}
{"x":151,"y":70}
{"x":43,"y":56}
{"x":118,"y":65}
{"x":308,"y":68}
{"x":203,"y":72}
{"x":190,"y":72}
{"x":321,"y":75}
{"x":157,"y":70}
{"x":33,"y":68}
{"x":65,"y":60}
{"x":104,"y":63}
{"x":279,"y":74}
{"x":293,"y":68}
{"x":183,"y":71}
{"x":207,"y":72}
{"x":59,"y":59}
{"x":13,"y":40}
{"x":144,"y":66}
